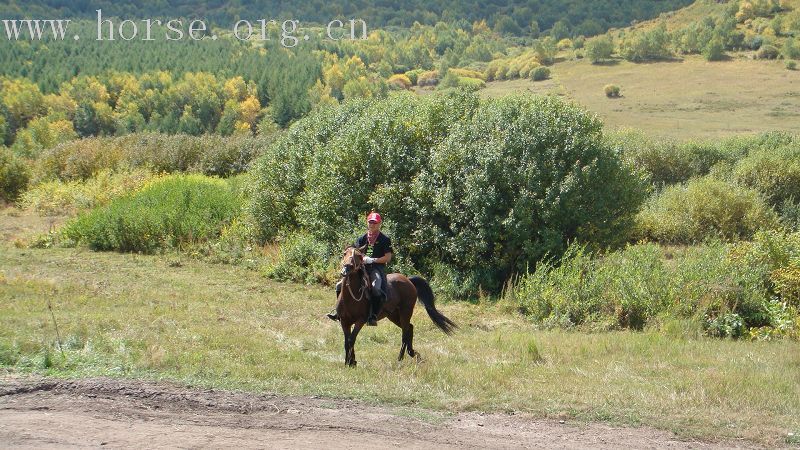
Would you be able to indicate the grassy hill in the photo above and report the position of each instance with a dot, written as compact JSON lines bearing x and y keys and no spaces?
{"x":690,"y":98}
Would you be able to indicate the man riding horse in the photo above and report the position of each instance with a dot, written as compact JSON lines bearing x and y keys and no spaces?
{"x":378,"y":253}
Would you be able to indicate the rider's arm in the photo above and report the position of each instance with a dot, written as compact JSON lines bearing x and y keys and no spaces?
{"x":384,"y":259}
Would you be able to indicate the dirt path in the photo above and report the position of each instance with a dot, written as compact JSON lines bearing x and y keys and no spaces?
{"x":46,"y":413}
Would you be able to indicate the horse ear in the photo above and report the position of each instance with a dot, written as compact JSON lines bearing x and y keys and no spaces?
{"x":362,"y":249}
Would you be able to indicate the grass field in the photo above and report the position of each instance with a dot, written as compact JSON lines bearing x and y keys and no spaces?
{"x":689,"y":98}
{"x":224,"y":326}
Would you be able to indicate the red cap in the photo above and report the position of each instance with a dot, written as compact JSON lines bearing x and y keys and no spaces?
{"x":374,"y":217}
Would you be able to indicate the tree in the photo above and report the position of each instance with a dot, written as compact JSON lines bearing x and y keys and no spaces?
{"x":189,"y":124}
{"x":560,"y":30}
{"x":545,"y":50}
{"x":534,"y":29}
{"x":599,"y":49}
{"x":86,"y":123}
{"x":714,"y":49}
{"x":507,"y":25}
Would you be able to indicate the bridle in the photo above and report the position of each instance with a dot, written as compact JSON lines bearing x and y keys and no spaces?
{"x":364,"y":278}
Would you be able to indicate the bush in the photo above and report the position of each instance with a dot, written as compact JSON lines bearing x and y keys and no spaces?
{"x":790,"y":49}
{"x":540,"y":73}
{"x":208,"y":154}
{"x":459,"y":180}
{"x":599,"y":49}
{"x":14,"y":176}
{"x":176,"y":210}
{"x":469,"y":73}
{"x":611,"y":90}
{"x":791,"y":65}
{"x":774,"y":172}
{"x":399,"y":80}
{"x":471,"y":84}
{"x":638,"y":286}
{"x":705,"y":209}
{"x":53,"y":198}
{"x":670,"y":162}
{"x":714,"y":49}
{"x":413,"y":75}
{"x":303,"y":259}
{"x":429,"y":78}
{"x":647,"y":45}
{"x":767,"y":52}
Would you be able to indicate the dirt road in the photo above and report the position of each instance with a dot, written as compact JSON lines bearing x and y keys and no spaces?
{"x":46,"y":413}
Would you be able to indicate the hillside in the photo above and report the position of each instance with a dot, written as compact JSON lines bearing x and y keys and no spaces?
{"x":690,"y":98}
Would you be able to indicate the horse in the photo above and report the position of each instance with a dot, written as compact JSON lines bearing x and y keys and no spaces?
{"x":402,"y":293}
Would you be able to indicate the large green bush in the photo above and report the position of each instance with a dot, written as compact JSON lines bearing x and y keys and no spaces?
{"x":475,"y":189}
{"x":14,"y":176}
{"x":705,"y":208}
{"x":176,"y":210}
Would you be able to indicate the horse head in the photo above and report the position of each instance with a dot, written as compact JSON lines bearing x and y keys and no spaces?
{"x":352,"y":260}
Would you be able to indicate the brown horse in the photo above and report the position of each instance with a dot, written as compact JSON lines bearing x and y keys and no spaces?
{"x":402,"y":293}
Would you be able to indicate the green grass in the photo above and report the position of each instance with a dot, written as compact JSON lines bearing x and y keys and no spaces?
{"x":223,"y":326}
{"x":690,"y":98}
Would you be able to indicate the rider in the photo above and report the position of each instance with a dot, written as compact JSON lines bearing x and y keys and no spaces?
{"x":377,"y":255}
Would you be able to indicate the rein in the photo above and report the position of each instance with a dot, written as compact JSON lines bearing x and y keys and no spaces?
{"x":364,"y":286}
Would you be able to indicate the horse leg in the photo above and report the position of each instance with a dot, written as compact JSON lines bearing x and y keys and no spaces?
{"x":395,"y":318}
{"x":347,"y":340}
{"x":353,"y":335}
{"x":408,"y":339}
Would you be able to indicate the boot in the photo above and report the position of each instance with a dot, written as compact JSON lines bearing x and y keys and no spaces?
{"x":333,"y":315}
{"x":375,"y":304}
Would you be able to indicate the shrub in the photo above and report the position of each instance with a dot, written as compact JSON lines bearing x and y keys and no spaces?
{"x":639,"y":286}
{"x":647,"y":45}
{"x":469,"y":73}
{"x":703,"y":209}
{"x":790,"y":49}
{"x":471,"y":84}
{"x":302,"y":259}
{"x":400,"y":80}
{"x":774,"y":172}
{"x":176,"y":210}
{"x":599,"y":49}
{"x":611,"y":90}
{"x":670,"y":162}
{"x":14,"y":176}
{"x":79,"y":160}
{"x":767,"y":52}
{"x":791,"y":65}
{"x":540,"y":73}
{"x":53,"y":198}
{"x":429,"y":78}
{"x":714,"y":50}
{"x":208,"y":154}
{"x":413,"y":75}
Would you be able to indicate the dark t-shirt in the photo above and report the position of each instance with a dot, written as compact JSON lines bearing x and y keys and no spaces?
{"x":383,"y":245}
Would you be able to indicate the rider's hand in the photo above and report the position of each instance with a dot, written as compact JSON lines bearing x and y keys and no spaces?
{"x":368,"y":260}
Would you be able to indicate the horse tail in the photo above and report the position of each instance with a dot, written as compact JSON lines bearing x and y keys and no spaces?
{"x":425,"y":294}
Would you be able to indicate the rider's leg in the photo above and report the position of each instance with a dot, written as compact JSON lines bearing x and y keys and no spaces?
{"x":333,"y":315}
{"x":376,"y":297}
